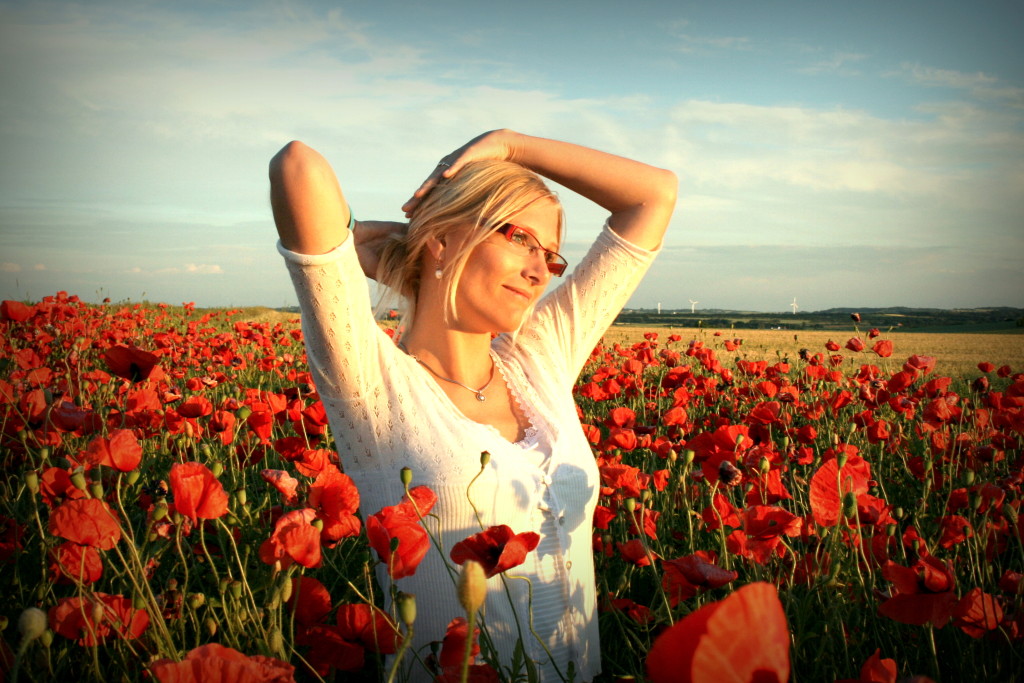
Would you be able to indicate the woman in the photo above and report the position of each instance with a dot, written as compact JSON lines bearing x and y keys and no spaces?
{"x":484,"y":363}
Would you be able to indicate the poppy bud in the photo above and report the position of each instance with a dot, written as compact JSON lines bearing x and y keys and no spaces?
{"x":394,"y":544}
{"x":406,"y":608}
{"x":196,"y":600}
{"x":138,"y":602}
{"x":240,"y":496}
{"x":78,"y":479}
{"x":841,"y":460}
{"x":205,"y":449}
{"x":275,"y":599}
{"x":96,"y":489}
{"x":47,"y":638}
{"x":32,"y":481}
{"x":1010,"y":513}
{"x":276,"y":642}
{"x":218,"y":467}
{"x":223,"y":585}
{"x":739,"y":440}
{"x":159,"y":510}
{"x":898,"y":513}
{"x":97,"y":613}
{"x":133,"y":477}
{"x":485,"y":458}
{"x":890,"y":529}
{"x":764,"y":465}
{"x":969,"y":477}
{"x":688,"y":456}
{"x":319,"y":524}
{"x":645,"y":495}
{"x":286,"y":589}
{"x":31,"y":624}
{"x":211,"y":626}
{"x":472,"y":586}
{"x":406,"y":476}
{"x":630,"y":504}
{"x":236,"y":588}
{"x":44,"y":454}
{"x":850,"y":504}
{"x":244,"y":412}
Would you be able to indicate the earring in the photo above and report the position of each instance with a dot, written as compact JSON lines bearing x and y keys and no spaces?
{"x":437,"y":271}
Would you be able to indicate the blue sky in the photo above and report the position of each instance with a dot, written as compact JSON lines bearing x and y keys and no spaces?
{"x":864,"y":154}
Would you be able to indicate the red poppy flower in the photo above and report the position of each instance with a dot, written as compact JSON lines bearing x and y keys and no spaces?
{"x":86,"y":521}
{"x":121,"y":451}
{"x":395,"y":523}
{"x":92,"y":619}
{"x":855,"y":344}
{"x":453,"y":648}
{"x":132,"y":363}
{"x":741,"y":639}
{"x":764,"y":525}
{"x":286,"y":484}
{"x":635,"y":553}
{"x":329,"y":650}
{"x":295,"y":539}
{"x":71,"y":562}
{"x":309,"y":602}
{"x":924,"y":592}
{"x":213,"y":662}
{"x":55,"y":486}
{"x":684,"y":576}
{"x":830,"y":484}
{"x":368,"y":626}
{"x":197,"y":493}
{"x":883,"y":347}
{"x":336,"y":499}
{"x":497,"y":549}
{"x":977,"y":613}
{"x":15,"y":311}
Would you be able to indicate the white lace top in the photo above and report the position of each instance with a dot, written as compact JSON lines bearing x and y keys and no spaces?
{"x":386,"y":412}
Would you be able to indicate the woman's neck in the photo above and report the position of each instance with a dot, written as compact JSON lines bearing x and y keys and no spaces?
{"x":458,"y":355}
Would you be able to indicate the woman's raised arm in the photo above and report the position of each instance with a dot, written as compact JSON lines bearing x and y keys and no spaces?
{"x":309,"y":209}
{"x":640,"y":197}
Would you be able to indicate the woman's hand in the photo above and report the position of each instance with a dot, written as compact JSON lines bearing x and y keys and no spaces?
{"x":496,"y":144}
{"x":370,"y":238}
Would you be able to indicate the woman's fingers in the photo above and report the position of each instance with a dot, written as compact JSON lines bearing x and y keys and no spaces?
{"x":444,"y":169}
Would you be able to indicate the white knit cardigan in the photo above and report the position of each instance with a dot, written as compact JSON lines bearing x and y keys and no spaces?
{"x":386,"y":412}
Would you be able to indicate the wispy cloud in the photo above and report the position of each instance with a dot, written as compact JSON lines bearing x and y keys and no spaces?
{"x":839,"y":63}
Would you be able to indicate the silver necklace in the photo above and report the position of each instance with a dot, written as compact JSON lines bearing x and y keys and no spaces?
{"x":478,"y":392}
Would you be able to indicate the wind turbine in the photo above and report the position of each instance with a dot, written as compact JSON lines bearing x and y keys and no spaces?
{"x":693,"y":305}
{"x":794,"y":306}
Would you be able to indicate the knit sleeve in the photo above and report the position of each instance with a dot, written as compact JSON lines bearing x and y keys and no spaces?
{"x":569,"y":321}
{"x":343,"y":341}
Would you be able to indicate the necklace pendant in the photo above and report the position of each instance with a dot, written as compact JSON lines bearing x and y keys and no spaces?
{"x":480,"y":397}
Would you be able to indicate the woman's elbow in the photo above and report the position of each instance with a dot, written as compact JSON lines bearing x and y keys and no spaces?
{"x":666,"y":187}
{"x":294,"y":158}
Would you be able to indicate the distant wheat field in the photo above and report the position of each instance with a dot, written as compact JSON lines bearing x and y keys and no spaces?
{"x":957,"y":354}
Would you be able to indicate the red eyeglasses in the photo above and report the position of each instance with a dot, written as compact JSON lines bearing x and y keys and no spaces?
{"x":529,"y":245}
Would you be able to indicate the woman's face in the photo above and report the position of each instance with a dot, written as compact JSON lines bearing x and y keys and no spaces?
{"x":501,"y":281}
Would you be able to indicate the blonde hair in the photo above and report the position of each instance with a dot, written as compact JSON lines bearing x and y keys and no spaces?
{"x":485,"y":195}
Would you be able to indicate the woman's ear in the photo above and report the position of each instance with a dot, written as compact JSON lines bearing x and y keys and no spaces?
{"x":435,"y":245}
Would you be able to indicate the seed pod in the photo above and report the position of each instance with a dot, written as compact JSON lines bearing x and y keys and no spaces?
{"x":276,"y":642}
{"x":969,"y":477}
{"x":764,"y":465}
{"x":160,"y":510}
{"x":286,"y":589}
{"x":32,"y":481}
{"x":472,"y":589}
{"x":688,"y":456}
{"x":223,"y":585}
{"x":244,"y":412}
{"x":850,"y":504}
{"x":78,"y":479}
{"x":406,"y":608}
{"x":841,"y":460}
{"x":218,"y":467}
{"x":240,"y":496}
{"x":133,"y":477}
{"x":485,"y":458}
{"x":211,"y":626}
{"x":236,"y":588}
{"x":406,"y":476}
{"x":31,"y":624}
{"x":96,"y":489}
{"x":196,"y":600}
{"x":630,"y":504}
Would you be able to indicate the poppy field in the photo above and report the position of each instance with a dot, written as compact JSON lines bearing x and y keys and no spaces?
{"x":172,"y":509}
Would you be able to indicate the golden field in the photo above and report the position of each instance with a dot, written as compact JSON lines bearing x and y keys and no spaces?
{"x":957,"y":354}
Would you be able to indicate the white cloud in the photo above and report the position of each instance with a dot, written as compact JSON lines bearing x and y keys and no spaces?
{"x":946,"y":78}
{"x":39,"y":266}
{"x":8,"y":267}
{"x":203,"y":269}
